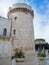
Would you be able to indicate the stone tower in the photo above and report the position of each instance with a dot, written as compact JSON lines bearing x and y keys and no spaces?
{"x":22,"y":32}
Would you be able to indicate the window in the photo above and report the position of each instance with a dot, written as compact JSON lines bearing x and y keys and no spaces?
{"x":14,"y":32}
{"x":15,"y":18}
{"x":5,"y":32}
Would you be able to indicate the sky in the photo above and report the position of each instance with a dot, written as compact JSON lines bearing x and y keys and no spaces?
{"x":41,"y":15}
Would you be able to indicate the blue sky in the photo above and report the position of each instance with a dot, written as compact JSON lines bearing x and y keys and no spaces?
{"x":41,"y":15}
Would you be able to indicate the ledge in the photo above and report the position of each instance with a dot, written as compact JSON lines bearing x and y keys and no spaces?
{"x":25,"y":10}
{"x":4,"y":37}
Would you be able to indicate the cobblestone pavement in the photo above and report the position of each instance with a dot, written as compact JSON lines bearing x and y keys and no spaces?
{"x":5,"y":61}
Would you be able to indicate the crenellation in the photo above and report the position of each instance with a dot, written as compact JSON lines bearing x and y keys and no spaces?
{"x":23,"y":10}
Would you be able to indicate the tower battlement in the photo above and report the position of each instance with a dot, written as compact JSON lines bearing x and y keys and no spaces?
{"x":21,"y":7}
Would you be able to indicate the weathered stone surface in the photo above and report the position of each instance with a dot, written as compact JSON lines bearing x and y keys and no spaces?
{"x":23,"y":24}
{"x":5,"y":61}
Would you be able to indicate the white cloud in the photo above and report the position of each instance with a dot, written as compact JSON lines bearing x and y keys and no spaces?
{"x":37,"y":21}
{"x":40,"y":31}
{"x":4,"y":5}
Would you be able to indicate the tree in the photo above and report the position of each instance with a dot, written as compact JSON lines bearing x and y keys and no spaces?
{"x":39,"y":39}
{"x":39,"y":44}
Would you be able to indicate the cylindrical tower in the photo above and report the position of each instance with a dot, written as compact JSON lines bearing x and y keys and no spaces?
{"x":22,"y":26}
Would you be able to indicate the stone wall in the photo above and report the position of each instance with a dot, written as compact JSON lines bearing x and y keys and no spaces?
{"x":5,"y":48}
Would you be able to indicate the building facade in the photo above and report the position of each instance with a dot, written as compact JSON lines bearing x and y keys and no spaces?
{"x":5,"y":44}
{"x":19,"y":28}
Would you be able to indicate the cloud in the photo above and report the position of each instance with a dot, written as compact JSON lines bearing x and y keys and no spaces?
{"x":4,"y":5}
{"x":41,"y":25}
{"x":41,"y":15}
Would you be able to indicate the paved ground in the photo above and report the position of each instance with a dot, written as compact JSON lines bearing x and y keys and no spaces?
{"x":31,"y":61}
{"x":5,"y":61}
{"x":26,"y":63}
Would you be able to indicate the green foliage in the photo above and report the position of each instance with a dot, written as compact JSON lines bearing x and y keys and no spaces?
{"x":40,"y":39}
{"x":41,"y":54}
{"x":18,"y":54}
{"x":13,"y":57}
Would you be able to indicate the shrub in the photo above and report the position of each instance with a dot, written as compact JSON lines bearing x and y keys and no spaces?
{"x":18,"y":54}
{"x":41,"y":54}
{"x":12,"y":57}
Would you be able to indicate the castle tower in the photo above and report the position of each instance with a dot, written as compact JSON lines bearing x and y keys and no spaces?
{"x":22,"y":26}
